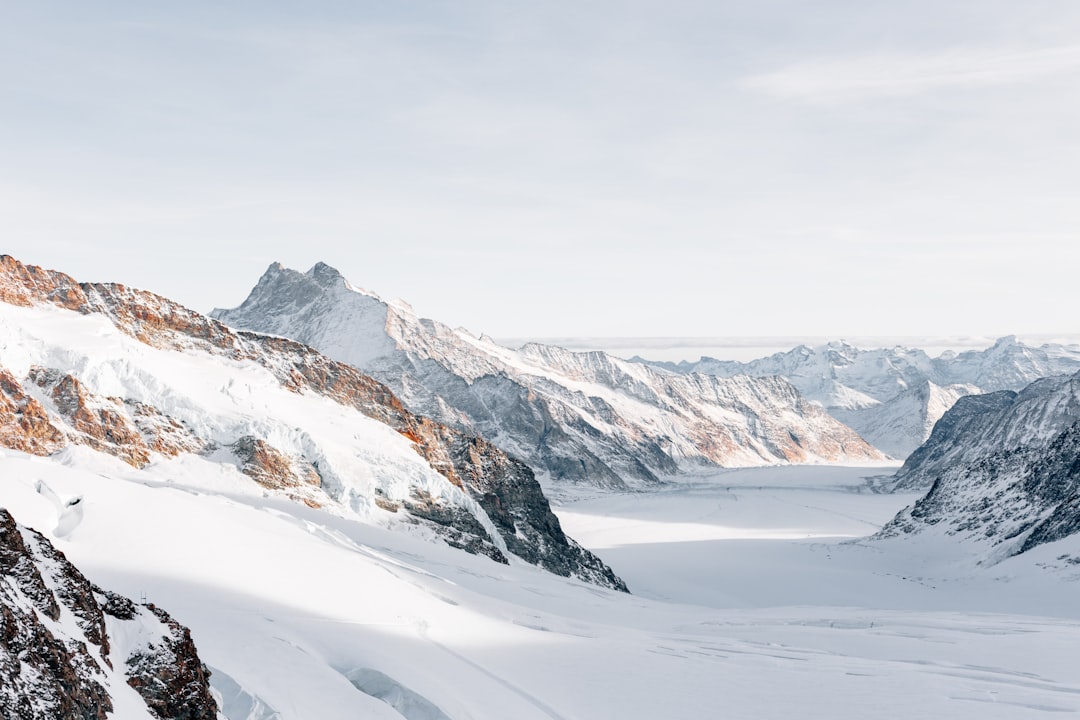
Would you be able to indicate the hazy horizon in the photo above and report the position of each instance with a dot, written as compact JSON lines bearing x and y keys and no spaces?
{"x":575,"y":169}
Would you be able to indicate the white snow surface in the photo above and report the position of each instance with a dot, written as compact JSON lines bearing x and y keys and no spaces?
{"x":221,"y":400}
{"x":754,"y":598}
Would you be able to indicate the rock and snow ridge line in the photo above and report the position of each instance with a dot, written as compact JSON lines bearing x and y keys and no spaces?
{"x":584,"y":418}
{"x":1003,"y":471}
{"x":69,"y":649}
{"x":893,"y":396}
{"x":134,"y":375}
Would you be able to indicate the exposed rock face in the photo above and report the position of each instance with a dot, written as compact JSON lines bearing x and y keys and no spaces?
{"x":893,"y":396}
{"x":580,"y":417}
{"x":1003,"y":469}
{"x":100,"y":423}
{"x":24,"y":423}
{"x":169,"y":676}
{"x":271,"y":468}
{"x":135,"y":430}
{"x":51,"y":668}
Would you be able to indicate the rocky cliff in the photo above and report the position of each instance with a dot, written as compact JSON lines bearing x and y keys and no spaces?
{"x":68,"y":648}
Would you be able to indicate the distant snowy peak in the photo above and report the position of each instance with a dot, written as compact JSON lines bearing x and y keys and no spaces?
{"x":886,"y":394}
{"x":1003,"y":470}
{"x":136,"y":376}
{"x":70,"y":649}
{"x":584,"y":417}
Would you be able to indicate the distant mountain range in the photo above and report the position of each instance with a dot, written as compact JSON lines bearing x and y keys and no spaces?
{"x":893,"y":396}
{"x":579,"y":417}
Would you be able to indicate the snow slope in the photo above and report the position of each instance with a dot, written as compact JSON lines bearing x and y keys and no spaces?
{"x":304,"y":614}
{"x":133,"y":375}
{"x":893,"y":396}
{"x":583,"y":417}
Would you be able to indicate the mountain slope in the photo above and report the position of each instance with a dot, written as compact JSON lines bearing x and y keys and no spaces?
{"x":69,"y":649}
{"x":1003,"y":470}
{"x":582,"y":417}
{"x":893,"y":396}
{"x":136,"y":376}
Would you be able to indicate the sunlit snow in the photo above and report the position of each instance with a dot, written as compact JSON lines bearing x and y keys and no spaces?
{"x":754,"y":597}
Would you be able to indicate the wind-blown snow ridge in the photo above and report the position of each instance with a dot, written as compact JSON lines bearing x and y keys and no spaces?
{"x":134,"y":375}
{"x":583,"y":417}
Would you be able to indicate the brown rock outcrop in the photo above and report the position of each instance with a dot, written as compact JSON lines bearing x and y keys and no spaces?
{"x":97,"y":422}
{"x":270,"y":467}
{"x":24,"y":422}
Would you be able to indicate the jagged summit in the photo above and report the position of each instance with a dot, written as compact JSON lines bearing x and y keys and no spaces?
{"x":581,"y":417}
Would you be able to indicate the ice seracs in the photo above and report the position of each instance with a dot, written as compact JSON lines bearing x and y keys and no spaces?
{"x":580,"y":417}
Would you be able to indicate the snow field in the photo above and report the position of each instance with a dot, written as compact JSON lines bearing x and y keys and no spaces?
{"x":297,"y":607}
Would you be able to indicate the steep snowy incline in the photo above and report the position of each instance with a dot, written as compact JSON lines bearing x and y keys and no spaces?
{"x":69,"y":649}
{"x":581,"y":417}
{"x":893,"y":396}
{"x":133,"y":375}
{"x":1003,"y":471}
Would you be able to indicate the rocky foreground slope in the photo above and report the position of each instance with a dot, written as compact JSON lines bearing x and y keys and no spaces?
{"x":1003,"y":470}
{"x":136,"y":376}
{"x":893,"y":396}
{"x":580,"y":417}
{"x":69,"y":649}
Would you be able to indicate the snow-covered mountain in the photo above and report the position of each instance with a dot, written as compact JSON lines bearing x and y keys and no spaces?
{"x":69,"y":649}
{"x":138,"y":377}
{"x":583,"y":417}
{"x":893,"y":396}
{"x":1003,"y":470}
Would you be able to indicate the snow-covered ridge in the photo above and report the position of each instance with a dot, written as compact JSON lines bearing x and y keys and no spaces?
{"x":893,"y":396}
{"x":583,"y":417}
{"x":70,"y":649}
{"x":134,"y":375}
{"x":1002,"y":470}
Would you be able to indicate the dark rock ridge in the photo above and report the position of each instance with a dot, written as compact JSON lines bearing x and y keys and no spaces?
{"x":132,"y":430}
{"x":1003,"y":470}
{"x":579,"y":417}
{"x":52,"y":669}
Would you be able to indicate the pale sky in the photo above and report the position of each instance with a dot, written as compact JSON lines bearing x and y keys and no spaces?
{"x":711,"y":168}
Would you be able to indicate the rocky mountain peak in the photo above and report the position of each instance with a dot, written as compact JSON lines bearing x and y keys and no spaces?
{"x":325,"y":275}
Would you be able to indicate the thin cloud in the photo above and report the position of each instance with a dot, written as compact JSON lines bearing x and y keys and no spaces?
{"x":894,"y":75}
